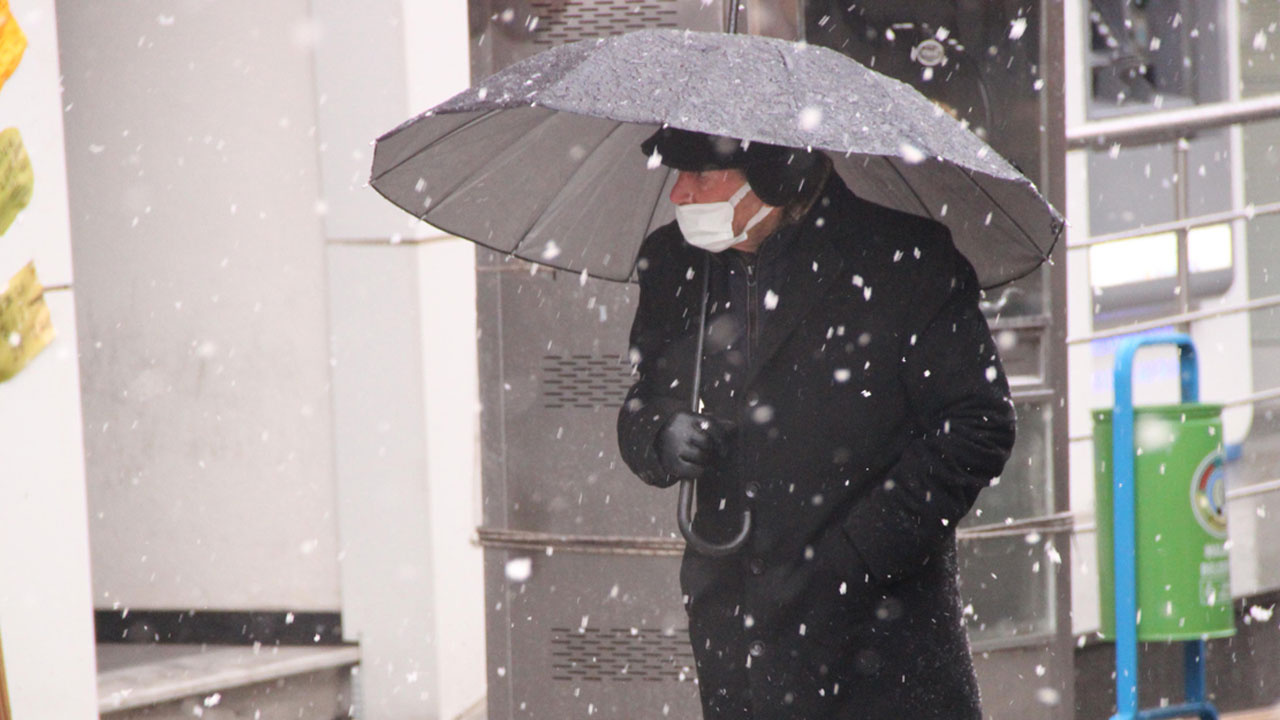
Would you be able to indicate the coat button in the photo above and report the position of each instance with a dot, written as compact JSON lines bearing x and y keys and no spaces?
{"x":756,"y":648}
{"x":752,"y":489}
{"x":756,"y":565}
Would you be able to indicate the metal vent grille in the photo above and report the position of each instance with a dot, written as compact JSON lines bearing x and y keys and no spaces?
{"x":584,"y":381}
{"x":566,"y":21}
{"x":620,"y":655}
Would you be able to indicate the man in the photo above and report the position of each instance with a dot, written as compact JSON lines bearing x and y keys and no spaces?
{"x":851,"y":397}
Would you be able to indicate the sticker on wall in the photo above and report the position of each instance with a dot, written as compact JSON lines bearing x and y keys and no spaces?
{"x":12,"y":43}
{"x":25,"y":327}
{"x":16,"y":179}
{"x":1209,"y":495}
{"x":5,"y":714}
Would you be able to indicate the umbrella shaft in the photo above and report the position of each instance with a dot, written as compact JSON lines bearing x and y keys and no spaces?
{"x":684,"y":507}
{"x":695,"y":399}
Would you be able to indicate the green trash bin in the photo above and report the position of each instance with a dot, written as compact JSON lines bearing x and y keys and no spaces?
{"x":1183,"y":570}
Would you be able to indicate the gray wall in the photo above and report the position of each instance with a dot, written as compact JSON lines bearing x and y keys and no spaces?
{"x":274,"y":358}
{"x":199,"y":262}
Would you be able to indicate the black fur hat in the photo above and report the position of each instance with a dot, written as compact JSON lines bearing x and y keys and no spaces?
{"x":778,"y":175}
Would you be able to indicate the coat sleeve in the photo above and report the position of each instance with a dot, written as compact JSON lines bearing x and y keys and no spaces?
{"x":650,"y":402}
{"x":964,"y":417}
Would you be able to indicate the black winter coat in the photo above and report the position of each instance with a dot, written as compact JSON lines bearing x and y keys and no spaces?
{"x":870,"y":414}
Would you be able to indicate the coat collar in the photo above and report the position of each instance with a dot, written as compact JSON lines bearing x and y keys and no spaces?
{"x":807,"y":270}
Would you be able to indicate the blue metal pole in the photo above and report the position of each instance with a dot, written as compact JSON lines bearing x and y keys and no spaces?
{"x":1193,"y":670}
{"x":1123,"y":506}
{"x":1188,"y":371}
{"x":1122,"y":526}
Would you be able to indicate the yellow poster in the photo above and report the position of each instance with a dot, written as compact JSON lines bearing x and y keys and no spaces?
{"x":12,"y":43}
{"x":16,"y":179}
{"x":5,"y":714}
{"x":25,"y":327}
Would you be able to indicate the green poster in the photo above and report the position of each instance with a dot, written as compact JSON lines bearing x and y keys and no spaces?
{"x":25,"y":327}
{"x":16,"y":178}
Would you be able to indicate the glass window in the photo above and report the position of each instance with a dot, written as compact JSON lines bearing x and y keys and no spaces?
{"x":1146,"y":55}
{"x":1008,"y":587}
{"x":1254,"y":530}
{"x":1007,"y":582}
{"x":1022,"y":491}
{"x":1152,"y":257}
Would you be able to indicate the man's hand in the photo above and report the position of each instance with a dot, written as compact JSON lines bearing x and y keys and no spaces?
{"x":688,"y":444}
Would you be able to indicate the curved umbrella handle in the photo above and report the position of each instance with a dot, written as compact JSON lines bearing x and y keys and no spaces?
{"x":684,"y":517}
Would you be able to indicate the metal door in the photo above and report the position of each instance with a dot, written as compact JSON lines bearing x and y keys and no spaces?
{"x":997,"y":65}
{"x":584,"y":614}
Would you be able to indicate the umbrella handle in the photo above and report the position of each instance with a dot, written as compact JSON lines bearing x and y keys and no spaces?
{"x":684,"y":517}
{"x":684,"y":511}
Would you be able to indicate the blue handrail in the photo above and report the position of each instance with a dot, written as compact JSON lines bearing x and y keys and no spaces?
{"x":1124,"y":539}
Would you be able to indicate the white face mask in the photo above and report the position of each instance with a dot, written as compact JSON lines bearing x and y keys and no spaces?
{"x":709,"y":226}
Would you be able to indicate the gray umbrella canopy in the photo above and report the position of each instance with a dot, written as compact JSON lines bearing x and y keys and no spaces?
{"x":542,"y":160}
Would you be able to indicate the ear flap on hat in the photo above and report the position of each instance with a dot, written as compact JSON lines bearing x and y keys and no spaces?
{"x":788,"y":177}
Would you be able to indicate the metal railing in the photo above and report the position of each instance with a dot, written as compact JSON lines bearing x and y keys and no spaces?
{"x":538,"y":542}
{"x":1177,"y":126}
{"x":1181,"y":318}
{"x":1171,"y":125}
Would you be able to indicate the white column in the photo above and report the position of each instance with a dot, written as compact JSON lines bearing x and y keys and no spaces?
{"x":46,"y":615}
{"x":402,"y":307}
{"x":437,"y":61}
{"x":1079,"y":318}
{"x":446,"y":274}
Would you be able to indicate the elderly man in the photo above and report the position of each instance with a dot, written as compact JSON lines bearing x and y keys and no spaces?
{"x":852,"y":398}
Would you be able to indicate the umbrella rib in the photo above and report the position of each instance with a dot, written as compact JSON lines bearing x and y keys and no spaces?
{"x":465,"y":182}
{"x":889,"y":161}
{"x":464,"y":126}
{"x":653,"y":211}
{"x":1026,"y":236}
{"x":564,"y":188}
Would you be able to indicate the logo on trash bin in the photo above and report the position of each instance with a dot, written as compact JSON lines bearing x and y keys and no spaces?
{"x":1209,"y":495}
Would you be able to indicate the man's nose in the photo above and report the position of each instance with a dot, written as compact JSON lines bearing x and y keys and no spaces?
{"x":682,"y":191}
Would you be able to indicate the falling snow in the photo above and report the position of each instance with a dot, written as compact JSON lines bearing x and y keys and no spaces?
{"x":911,"y":154}
{"x":519,"y":569}
{"x":810,"y":118}
{"x":1017,"y":27}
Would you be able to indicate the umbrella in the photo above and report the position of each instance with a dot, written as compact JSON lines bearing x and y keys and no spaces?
{"x":541,"y":160}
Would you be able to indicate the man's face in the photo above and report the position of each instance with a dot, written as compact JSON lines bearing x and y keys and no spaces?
{"x":708,"y":186}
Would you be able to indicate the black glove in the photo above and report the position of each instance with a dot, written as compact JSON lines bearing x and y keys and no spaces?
{"x":690,"y":443}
